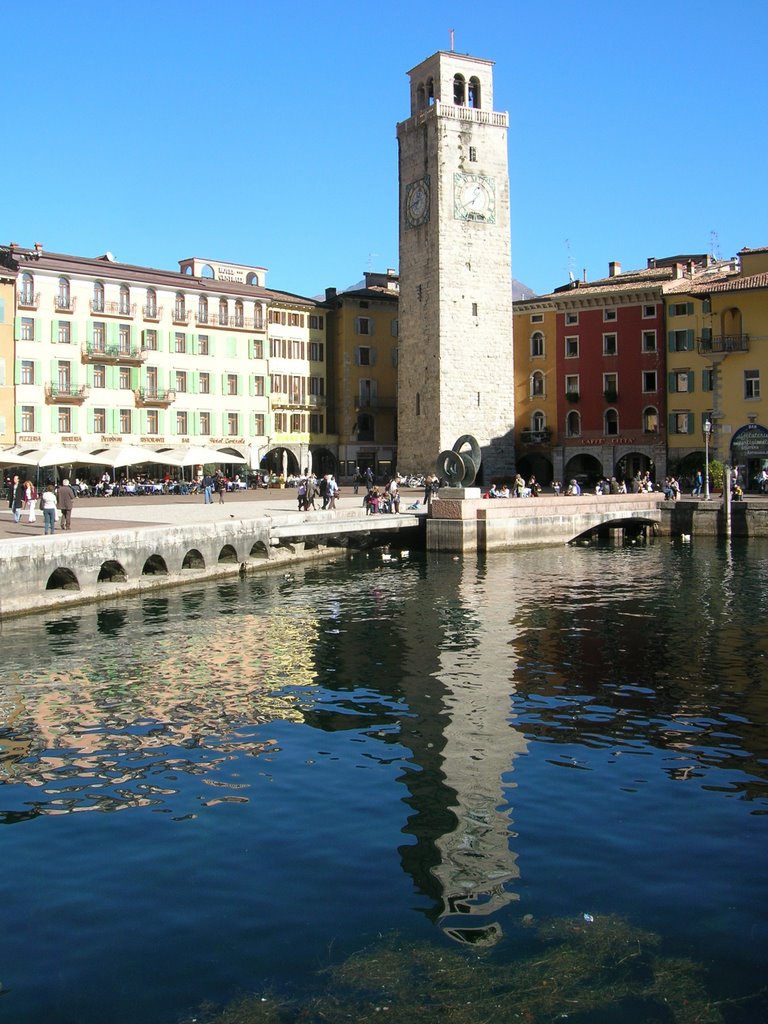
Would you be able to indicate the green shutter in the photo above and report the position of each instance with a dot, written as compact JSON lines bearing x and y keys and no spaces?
{"x":112,"y":334}
{"x":135,"y":378}
{"x":54,"y":376}
{"x":89,"y":420}
{"x":192,"y":343}
{"x":17,"y":418}
{"x":670,"y":341}
{"x":690,"y":422}
{"x":671,"y":424}
{"x":75,"y":419}
{"x":17,"y":372}
{"x":89,"y":332}
{"x":691,"y":380}
{"x":232,"y":348}
{"x":671,"y":383}
{"x":74,"y":332}
{"x":689,"y":308}
{"x":38,"y":371}
{"x":54,"y":419}
{"x":54,"y":331}
{"x":689,"y":342}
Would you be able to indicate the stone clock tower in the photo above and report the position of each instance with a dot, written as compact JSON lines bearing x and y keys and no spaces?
{"x":455,"y":360}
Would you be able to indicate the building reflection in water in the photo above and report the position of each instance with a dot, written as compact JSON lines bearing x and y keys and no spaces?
{"x":114,"y":727}
{"x":464,"y":745}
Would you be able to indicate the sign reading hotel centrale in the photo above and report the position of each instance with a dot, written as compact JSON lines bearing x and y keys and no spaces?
{"x":230,"y":274}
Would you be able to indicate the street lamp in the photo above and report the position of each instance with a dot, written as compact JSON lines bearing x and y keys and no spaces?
{"x":707,"y":433}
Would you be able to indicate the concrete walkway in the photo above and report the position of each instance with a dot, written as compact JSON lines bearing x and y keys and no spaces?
{"x":99,"y":514}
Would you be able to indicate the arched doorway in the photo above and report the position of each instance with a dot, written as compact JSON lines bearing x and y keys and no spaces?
{"x":631,"y":464}
{"x":279,"y":461}
{"x":536,"y":465}
{"x":323,"y":461}
{"x":585,"y":469}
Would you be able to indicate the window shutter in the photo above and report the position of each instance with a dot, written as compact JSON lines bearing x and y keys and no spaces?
{"x":17,"y":417}
{"x":689,"y":308}
{"x":357,"y":356}
{"x":372,"y":356}
{"x":75,"y":371}
{"x":54,"y":420}
{"x":212,"y":384}
{"x":89,"y":420}
{"x":357,"y":325}
{"x":74,"y":331}
{"x":54,"y":378}
{"x":691,"y":380}
{"x":54,"y":331}
{"x":17,"y":328}
{"x":75,"y":420}
{"x":690,"y":422}
{"x":17,"y":372}
{"x":232,"y":348}
{"x":689,"y":341}
{"x":88,"y":331}
{"x":374,"y":389}
{"x":671,"y":383}
{"x":112,"y":336}
{"x":671,"y":421}
{"x":134,"y":377}
{"x":111,"y":382}
{"x":38,"y":371}
{"x":671,"y":341}
{"x":161,"y":422}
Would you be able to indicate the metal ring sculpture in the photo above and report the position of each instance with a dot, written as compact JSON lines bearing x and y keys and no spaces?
{"x":459,"y":467}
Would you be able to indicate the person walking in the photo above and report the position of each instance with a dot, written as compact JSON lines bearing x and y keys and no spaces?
{"x":30,"y":501}
{"x":48,"y":506}
{"x":207,"y":489}
{"x":65,"y":499}
{"x":221,"y":486}
{"x":16,"y":497}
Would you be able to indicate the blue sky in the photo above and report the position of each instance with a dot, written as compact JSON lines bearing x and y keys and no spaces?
{"x":265,"y":133}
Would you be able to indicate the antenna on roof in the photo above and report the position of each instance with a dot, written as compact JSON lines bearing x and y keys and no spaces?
{"x":714,"y":244}
{"x":450,"y":33}
{"x":570,"y":260}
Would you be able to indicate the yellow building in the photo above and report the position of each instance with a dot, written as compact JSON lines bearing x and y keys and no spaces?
{"x":7,"y":356}
{"x":735,"y":344}
{"x":691,"y":373}
{"x":362,"y":362}
{"x":535,"y":394}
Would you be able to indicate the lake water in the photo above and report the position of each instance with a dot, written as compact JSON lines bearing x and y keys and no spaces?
{"x":228,"y":789}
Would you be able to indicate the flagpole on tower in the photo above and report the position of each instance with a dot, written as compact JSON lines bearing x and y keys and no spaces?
{"x":450,"y":32}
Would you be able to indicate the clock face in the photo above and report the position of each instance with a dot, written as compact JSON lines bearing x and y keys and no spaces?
{"x":474,"y":198}
{"x":417,"y":202}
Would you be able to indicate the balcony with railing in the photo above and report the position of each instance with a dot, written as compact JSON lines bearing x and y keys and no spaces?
{"x":126,"y":310}
{"x":365,"y":402}
{"x":723,"y":344}
{"x":156,"y":397}
{"x":543,"y":436}
{"x":93,"y":352}
{"x":240,"y":323}
{"x":317,"y":401}
{"x":29,"y":300}
{"x":182,"y":316}
{"x":66,"y":394}
{"x":152,"y":312}
{"x":64,"y":303}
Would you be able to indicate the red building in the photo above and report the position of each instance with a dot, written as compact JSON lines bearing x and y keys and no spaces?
{"x":610,"y":375}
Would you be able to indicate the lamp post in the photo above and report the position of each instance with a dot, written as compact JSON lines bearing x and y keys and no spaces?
{"x":707,"y":433}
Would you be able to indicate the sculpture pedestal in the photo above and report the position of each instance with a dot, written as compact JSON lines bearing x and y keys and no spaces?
{"x":460,"y":493}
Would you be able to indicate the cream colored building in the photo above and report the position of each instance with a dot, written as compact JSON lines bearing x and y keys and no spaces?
{"x":110,"y":353}
{"x":7,"y":398}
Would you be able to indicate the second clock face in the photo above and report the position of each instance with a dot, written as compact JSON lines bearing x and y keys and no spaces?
{"x":474,"y":198}
{"x":417,"y":202}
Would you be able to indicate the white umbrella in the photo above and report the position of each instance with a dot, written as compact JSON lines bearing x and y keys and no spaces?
{"x":196,"y":455}
{"x":126,"y":455}
{"x":59,"y":455}
{"x":11,"y":458}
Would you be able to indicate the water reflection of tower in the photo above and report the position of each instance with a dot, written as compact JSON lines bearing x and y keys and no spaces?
{"x":458,"y":685}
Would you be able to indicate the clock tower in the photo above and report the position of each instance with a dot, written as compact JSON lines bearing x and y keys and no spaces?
{"x":455,"y":370}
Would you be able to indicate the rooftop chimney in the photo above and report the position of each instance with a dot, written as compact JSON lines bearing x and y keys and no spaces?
{"x":38,"y":246}
{"x":614,"y":269}
{"x":330,"y":293}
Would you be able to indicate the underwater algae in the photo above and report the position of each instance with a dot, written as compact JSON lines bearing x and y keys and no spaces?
{"x":579,"y":971}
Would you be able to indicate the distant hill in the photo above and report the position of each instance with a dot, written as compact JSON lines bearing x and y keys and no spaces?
{"x":521,"y":291}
